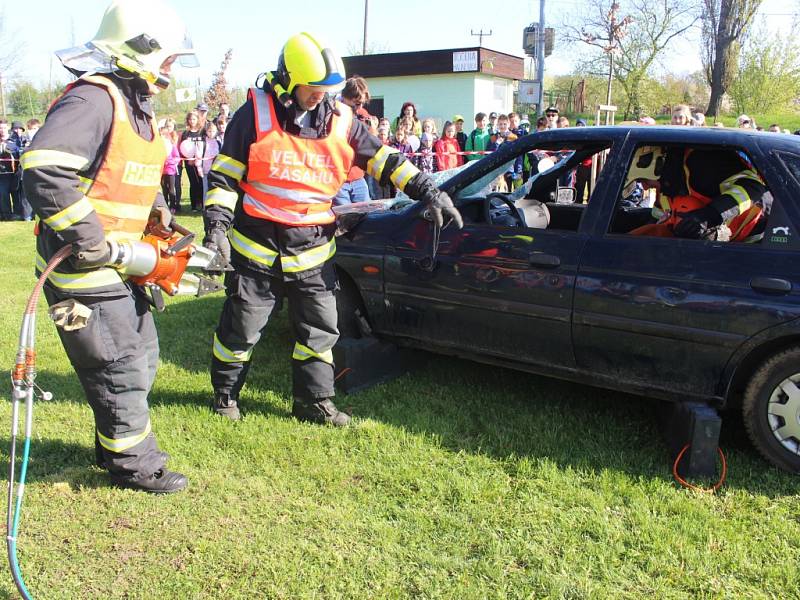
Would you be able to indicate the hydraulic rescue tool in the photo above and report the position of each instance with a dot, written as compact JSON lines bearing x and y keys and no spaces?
{"x":160,"y":261}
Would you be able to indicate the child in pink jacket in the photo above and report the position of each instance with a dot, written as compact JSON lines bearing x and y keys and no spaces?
{"x":170,"y":171}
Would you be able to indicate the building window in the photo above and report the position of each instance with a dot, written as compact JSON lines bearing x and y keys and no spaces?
{"x":500,"y":91}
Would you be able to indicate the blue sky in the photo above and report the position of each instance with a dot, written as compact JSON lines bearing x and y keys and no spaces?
{"x":256,"y":30}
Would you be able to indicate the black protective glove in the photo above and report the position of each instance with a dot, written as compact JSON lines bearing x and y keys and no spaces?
{"x":346,"y":222}
{"x":697,"y":224}
{"x":441,"y":206}
{"x":91,"y":258}
{"x":217,"y":240}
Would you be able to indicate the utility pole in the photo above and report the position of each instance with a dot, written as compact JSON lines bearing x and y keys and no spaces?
{"x":480,"y":35}
{"x":540,"y":58}
{"x":366,"y":12}
{"x":2,"y":97}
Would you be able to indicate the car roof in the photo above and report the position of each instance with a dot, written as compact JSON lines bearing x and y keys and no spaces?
{"x":752,"y":140}
{"x":668,"y":134}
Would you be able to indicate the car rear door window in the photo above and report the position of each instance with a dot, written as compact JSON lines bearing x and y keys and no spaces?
{"x":694,"y":192}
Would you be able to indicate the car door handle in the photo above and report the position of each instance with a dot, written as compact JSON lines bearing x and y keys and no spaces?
{"x":546,"y":261}
{"x":771,"y":285}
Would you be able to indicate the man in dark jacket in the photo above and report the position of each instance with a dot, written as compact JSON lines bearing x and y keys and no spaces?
{"x":92,"y":174}
{"x":22,"y":209}
{"x":9,"y":165}
{"x":287,"y":151}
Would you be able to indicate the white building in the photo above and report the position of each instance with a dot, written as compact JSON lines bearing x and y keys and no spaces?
{"x":441,"y":83}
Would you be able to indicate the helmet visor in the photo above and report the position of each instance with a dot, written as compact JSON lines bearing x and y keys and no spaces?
{"x":186,"y":56}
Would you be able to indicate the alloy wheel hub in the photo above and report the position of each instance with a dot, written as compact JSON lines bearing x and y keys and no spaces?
{"x":783,"y":413}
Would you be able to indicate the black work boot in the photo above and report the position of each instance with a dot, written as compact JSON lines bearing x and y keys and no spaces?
{"x":162,"y":481}
{"x":226,"y":405}
{"x":319,"y":411}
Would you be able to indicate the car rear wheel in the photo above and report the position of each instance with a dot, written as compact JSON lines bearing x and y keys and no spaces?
{"x":771,"y":409}
{"x":350,"y":309}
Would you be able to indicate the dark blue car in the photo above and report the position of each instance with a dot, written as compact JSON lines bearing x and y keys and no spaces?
{"x":544,"y":281}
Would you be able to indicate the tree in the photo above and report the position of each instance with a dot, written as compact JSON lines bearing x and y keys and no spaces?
{"x":356,"y":49}
{"x":768,"y":77}
{"x":724,"y":24}
{"x":26,"y":99}
{"x":652,"y":26}
{"x":10,"y":50}
{"x":218,"y":92}
{"x":607,"y":35}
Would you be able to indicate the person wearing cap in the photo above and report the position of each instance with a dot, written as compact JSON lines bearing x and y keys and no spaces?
{"x":202,"y":111}
{"x":93,"y":175}
{"x":461,"y":137}
{"x":492,"y":125}
{"x":287,"y":152}
{"x":551,"y":114}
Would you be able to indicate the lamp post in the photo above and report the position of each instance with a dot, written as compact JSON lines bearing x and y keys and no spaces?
{"x":366,"y":12}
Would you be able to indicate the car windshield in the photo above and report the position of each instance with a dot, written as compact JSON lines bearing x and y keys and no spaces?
{"x":477,"y":186}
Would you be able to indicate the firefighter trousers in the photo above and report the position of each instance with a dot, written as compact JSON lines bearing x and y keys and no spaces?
{"x":252,"y":299}
{"x":115,"y":357}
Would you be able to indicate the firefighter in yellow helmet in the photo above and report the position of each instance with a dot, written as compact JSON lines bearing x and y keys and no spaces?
{"x":287,"y":152}
{"x":92,"y":174}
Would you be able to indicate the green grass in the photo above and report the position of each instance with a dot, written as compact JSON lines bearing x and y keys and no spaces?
{"x":456,"y":481}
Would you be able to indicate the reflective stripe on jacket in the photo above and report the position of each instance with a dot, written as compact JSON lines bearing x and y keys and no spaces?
{"x":293,"y":180}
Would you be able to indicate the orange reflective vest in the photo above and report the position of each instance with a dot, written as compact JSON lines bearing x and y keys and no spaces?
{"x":293,"y":180}
{"x":741,"y":226}
{"x":129,"y":177}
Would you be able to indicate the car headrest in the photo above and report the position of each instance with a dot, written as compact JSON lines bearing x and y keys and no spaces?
{"x":535,"y":213}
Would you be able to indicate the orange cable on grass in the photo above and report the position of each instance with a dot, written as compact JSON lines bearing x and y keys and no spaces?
{"x":690,"y":486}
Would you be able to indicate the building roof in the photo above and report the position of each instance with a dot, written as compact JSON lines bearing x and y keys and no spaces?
{"x":436,"y":62}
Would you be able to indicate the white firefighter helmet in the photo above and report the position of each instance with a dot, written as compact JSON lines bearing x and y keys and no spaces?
{"x":536,"y":214}
{"x":139,"y":36}
{"x":647,"y":164}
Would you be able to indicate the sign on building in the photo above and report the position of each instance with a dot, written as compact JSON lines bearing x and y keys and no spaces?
{"x":185,"y":94}
{"x":528,"y":92}
{"x":465,"y":61}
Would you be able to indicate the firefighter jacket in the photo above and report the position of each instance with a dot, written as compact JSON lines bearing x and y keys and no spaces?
{"x":93,"y":172}
{"x":724,"y":180}
{"x":272,"y":185}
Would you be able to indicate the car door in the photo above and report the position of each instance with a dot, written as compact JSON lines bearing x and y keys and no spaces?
{"x":668,"y":313}
{"x":502,"y":291}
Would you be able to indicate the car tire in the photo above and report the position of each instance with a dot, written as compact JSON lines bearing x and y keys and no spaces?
{"x":350,"y":309}
{"x":771,"y":409}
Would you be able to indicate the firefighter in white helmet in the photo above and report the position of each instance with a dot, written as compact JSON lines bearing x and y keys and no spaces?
{"x":287,"y":152}
{"x":92,"y":174}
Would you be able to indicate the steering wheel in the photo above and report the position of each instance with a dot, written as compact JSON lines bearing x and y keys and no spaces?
{"x":493,"y":206}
